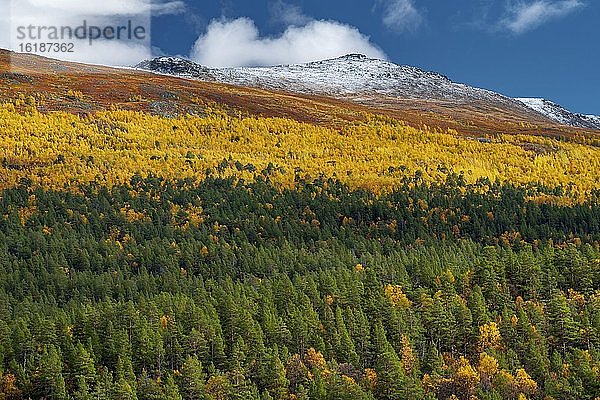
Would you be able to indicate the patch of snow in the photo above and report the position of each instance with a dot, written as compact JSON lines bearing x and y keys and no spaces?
{"x":353,"y":76}
{"x":559,"y":114}
{"x":359,"y":78}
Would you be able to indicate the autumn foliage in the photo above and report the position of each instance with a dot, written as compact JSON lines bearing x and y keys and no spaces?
{"x":61,"y":150}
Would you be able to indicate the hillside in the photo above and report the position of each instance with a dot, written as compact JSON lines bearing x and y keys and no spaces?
{"x":174,"y":133}
{"x":352,"y":76}
{"x":167,"y":95}
{"x":369,"y":81}
{"x":169,"y":238}
{"x":559,"y":114}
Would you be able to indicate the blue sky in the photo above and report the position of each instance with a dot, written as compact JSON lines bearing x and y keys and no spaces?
{"x":522,"y":48}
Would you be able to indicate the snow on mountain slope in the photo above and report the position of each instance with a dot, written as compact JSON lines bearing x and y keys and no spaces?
{"x":350,"y":76}
{"x":354,"y":75}
{"x":559,"y":114}
{"x":359,"y":78}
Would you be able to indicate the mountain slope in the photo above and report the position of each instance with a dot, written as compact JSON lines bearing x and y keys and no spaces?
{"x":559,"y":114}
{"x":165,"y":92}
{"x":364,"y":80}
{"x":352,"y":76}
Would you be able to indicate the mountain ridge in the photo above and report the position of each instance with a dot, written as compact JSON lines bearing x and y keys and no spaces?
{"x":361,"y":79}
{"x":558,"y":113}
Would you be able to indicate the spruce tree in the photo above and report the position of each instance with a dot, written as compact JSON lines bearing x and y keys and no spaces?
{"x":192,"y":379}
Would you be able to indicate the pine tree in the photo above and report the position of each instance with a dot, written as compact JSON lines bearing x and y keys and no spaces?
{"x":562,"y":326}
{"x":170,"y":389}
{"x":82,"y":390}
{"x":104,"y":386}
{"x":317,"y":388}
{"x":277,"y":382}
{"x":123,"y":390}
{"x":192,"y":379}
{"x":479,"y":309}
{"x":274,"y":376}
{"x":346,"y":351}
{"x":48,"y":381}
{"x":83,"y":370}
{"x":149,"y":388}
{"x":392,"y":382}
{"x":124,"y":370}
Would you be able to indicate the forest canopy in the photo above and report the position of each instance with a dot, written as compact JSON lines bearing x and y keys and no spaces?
{"x":231,"y":257}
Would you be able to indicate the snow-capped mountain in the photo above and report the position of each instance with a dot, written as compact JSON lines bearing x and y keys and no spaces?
{"x":350,"y":76}
{"x":359,"y":78}
{"x":559,"y":114}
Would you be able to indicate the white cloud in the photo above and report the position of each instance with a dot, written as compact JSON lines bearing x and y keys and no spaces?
{"x":230,"y":43}
{"x":167,"y":8}
{"x":94,"y":8}
{"x":116,"y":54}
{"x":288,"y":14}
{"x":402,"y":15}
{"x":525,"y":16}
{"x":73,"y":13}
